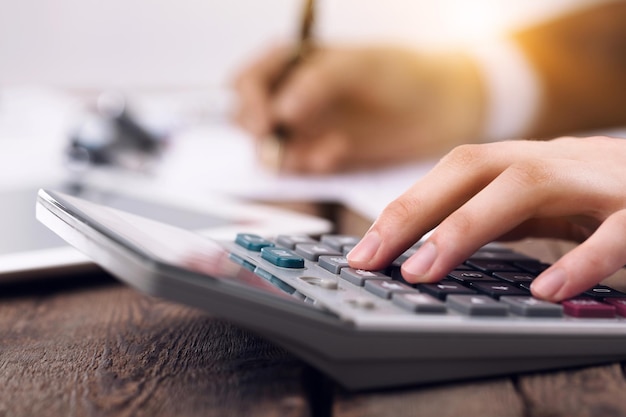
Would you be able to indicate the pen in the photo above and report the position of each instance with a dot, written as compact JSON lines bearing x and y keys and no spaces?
{"x":303,"y":45}
{"x":271,"y":149}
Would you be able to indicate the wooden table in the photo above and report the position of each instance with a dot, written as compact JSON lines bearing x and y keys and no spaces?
{"x":89,"y":346}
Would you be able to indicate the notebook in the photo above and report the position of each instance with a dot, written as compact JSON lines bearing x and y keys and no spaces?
{"x":365,"y":329}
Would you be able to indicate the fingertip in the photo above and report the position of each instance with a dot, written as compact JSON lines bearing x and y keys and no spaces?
{"x":364,"y":253}
{"x":549,"y":285}
{"x":418,"y":266}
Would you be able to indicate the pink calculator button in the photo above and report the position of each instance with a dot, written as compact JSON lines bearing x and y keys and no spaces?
{"x":619,"y":303}
{"x":588,"y":308}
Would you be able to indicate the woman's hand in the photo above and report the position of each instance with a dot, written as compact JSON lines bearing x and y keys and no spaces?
{"x":566,"y":188}
{"x":346,"y":109}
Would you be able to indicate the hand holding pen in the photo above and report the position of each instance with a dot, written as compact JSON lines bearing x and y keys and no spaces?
{"x":317,"y":110}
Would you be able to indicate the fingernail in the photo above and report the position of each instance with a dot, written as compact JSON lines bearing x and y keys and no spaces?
{"x":549,"y":283}
{"x":421,"y":262}
{"x":365,"y":250}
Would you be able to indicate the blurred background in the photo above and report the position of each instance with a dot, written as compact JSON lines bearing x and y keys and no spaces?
{"x":172,"y":61}
{"x":187,"y":43}
{"x":143,"y":85}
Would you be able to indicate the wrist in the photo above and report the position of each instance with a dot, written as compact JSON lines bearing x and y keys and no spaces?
{"x":512,"y":90}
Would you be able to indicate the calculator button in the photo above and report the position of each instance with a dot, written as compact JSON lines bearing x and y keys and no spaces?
{"x":312,"y":251}
{"x":282,"y":257}
{"x":347,"y":249}
{"x":384,"y":288}
{"x":404,"y":256}
{"x":588,"y":308}
{"x":619,"y":304}
{"x":533,"y":266}
{"x":477,"y":305}
{"x":418,"y":303}
{"x":515,"y":277}
{"x":470,"y":276}
{"x":532,"y":307}
{"x":444,"y":288}
{"x":290,"y":241}
{"x":499,"y":256}
{"x":464,"y":267}
{"x":338,"y":242}
{"x":333,"y":263}
{"x":490,"y":266}
{"x":359,"y":276}
{"x":602,"y":291}
{"x":252,"y":242}
{"x":498,"y":289}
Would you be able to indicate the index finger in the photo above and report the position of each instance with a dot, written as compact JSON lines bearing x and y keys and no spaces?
{"x":451,"y":183}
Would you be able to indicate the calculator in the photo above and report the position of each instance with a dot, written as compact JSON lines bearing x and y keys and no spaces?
{"x":365,"y":329}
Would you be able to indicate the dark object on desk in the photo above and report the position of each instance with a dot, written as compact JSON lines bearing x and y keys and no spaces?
{"x":341,"y":325}
{"x":111,"y":136}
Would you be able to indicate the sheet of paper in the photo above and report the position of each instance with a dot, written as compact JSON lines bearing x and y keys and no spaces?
{"x":221,"y":157}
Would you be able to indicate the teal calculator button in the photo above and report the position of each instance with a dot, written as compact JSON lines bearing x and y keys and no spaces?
{"x":282,"y":257}
{"x":252,"y":242}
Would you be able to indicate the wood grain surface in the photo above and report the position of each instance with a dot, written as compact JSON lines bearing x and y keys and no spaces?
{"x":594,"y":391}
{"x":106,"y":350}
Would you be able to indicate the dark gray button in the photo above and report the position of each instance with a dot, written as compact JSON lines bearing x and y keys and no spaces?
{"x":443,"y":288}
{"x":602,"y":291}
{"x":515,"y":277}
{"x":469,"y":276}
{"x":499,"y":256}
{"x":490,"y":265}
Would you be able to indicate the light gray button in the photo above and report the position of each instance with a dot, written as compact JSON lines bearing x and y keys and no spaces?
{"x":290,"y":241}
{"x":333,"y":263}
{"x":532,"y":307}
{"x":359,"y":276}
{"x":384,"y":288}
{"x":338,"y":242}
{"x":477,"y":305}
{"x":312,"y":251}
{"x":418,"y":303}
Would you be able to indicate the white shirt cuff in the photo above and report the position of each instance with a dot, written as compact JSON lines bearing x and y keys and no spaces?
{"x":513,"y":90}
